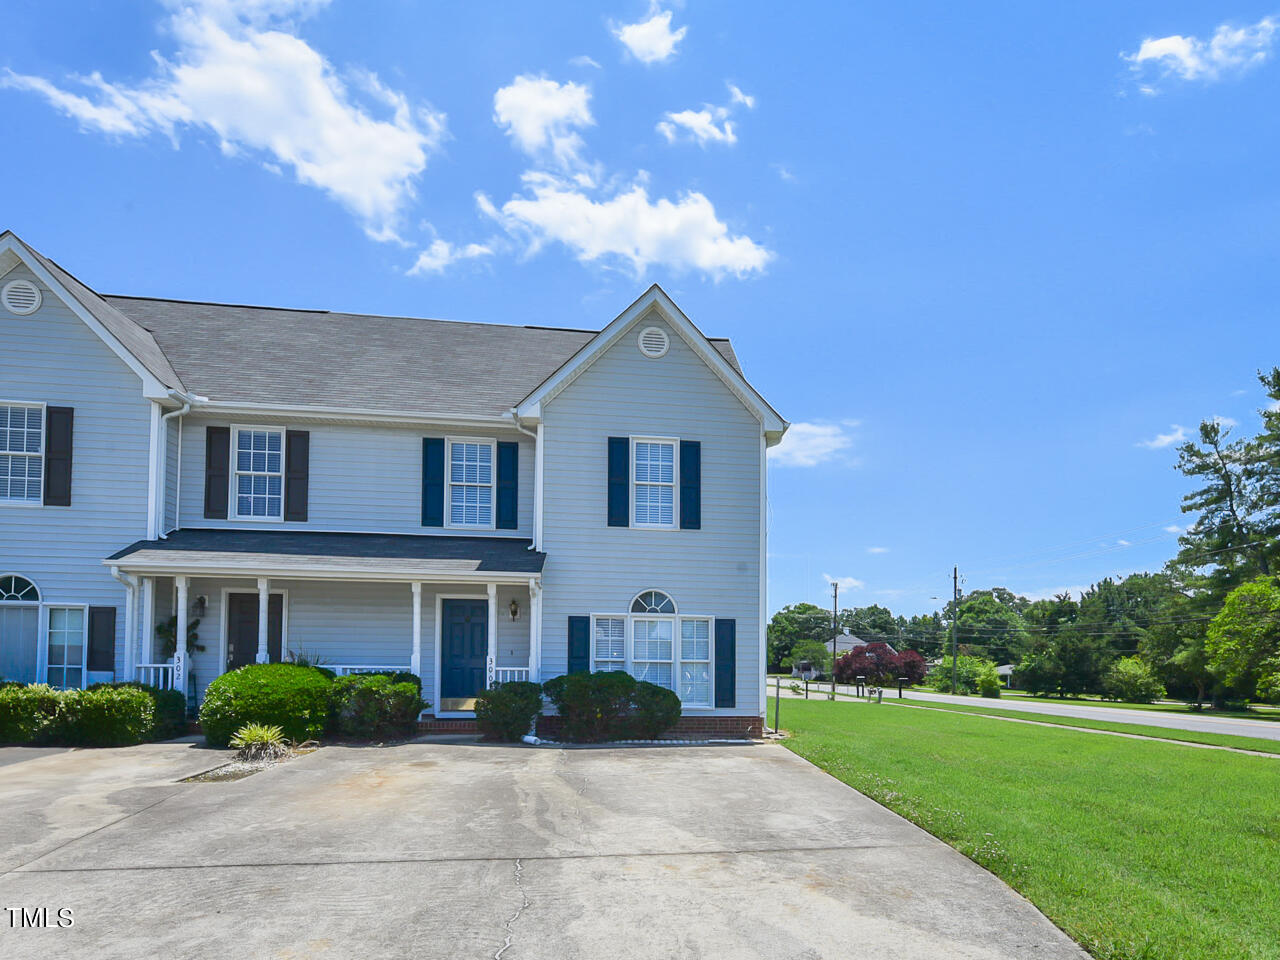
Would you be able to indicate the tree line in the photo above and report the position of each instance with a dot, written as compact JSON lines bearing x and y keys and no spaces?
{"x":1205,"y":627}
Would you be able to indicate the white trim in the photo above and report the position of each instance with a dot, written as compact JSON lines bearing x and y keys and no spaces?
{"x":153,"y":472}
{"x":655,"y":300}
{"x":233,"y":506}
{"x":438,"y":644}
{"x":539,"y":459}
{"x":492,"y":444}
{"x":43,"y":654}
{"x":39,"y":593}
{"x":224,"y":619}
{"x":416,"y":418}
{"x":238,"y":570}
{"x":762,"y":626}
{"x":675,"y":484}
{"x":44,"y":425}
{"x":675,"y":619}
{"x":415,"y":655}
{"x":152,"y":388}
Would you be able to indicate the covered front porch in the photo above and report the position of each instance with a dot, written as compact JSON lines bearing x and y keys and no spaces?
{"x":461,"y":613}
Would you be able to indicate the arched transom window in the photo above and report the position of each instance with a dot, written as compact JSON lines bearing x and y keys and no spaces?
{"x":14,"y":589}
{"x":653,"y":601}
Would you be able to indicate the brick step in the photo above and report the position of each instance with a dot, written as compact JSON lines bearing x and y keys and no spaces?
{"x":447,"y":725}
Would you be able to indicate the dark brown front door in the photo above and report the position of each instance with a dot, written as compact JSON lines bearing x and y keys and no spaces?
{"x":242,"y":628}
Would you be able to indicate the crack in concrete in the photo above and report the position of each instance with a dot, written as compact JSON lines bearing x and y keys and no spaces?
{"x":524,"y":904}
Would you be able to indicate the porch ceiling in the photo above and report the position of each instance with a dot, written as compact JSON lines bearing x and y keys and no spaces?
{"x":307,"y":554}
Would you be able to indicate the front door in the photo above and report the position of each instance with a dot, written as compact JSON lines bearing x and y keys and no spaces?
{"x":242,"y":628}
{"x":464,"y":650}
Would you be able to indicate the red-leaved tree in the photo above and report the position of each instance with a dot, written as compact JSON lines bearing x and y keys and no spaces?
{"x":879,"y":664}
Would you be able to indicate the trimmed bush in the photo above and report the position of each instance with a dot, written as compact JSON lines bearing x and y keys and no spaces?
{"x":28,"y":714}
{"x":654,"y":710}
{"x":294,"y":698}
{"x":592,"y":705}
{"x":508,"y":710}
{"x":107,"y":716}
{"x":170,"y":708}
{"x":374,"y":706}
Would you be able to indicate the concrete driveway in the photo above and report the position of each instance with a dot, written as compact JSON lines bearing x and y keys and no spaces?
{"x":460,"y":850}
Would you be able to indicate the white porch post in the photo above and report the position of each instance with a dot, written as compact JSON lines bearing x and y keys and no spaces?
{"x":146,"y":639}
{"x":264,"y":597}
{"x":130,"y":628}
{"x":491,"y":662}
{"x":535,"y":630}
{"x":415,"y":659}
{"x":180,"y":639}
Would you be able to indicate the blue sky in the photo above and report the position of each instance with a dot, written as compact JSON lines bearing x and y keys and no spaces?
{"x":990,"y":261}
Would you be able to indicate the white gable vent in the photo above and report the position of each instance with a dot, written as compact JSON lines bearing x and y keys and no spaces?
{"x":653,"y":342}
{"x":21,"y":297}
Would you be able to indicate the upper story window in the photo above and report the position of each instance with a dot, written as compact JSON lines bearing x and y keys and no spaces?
{"x":653,"y":479}
{"x":21,"y":452}
{"x":259,"y":473}
{"x":470,"y":487}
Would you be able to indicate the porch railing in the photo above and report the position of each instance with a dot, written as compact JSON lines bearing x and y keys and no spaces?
{"x":508,"y":675}
{"x":156,"y":675}
{"x":343,"y":669}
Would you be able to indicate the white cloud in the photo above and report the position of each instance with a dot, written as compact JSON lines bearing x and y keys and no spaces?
{"x":811,"y":444}
{"x":239,"y":75}
{"x":1176,"y":434}
{"x":1174,"y":528}
{"x":846,"y":583}
{"x":1225,"y":422}
{"x":701,"y":125}
{"x":542,"y":117}
{"x":626,"y":226}
{"x":584,"y":61}
{"x":784,"y":173}
{"x":1123,"y":543}
{"x":652,"y":40}
{"x":877,"y":549}
{"x":1050,"y":593}
{"x":441,"y":254}
{"x":1231,"y":51}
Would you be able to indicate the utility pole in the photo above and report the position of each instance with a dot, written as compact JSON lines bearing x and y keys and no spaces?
{"x":835,"y":633}
{"x":955,"y":615}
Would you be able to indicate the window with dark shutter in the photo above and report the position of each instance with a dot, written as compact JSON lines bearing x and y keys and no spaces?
{"x":579,"y":644}
{"x":433,"y":481}
{"x":508,"y":485}
{"x":217,"y":471}
{"x":102,"y":639}
{"x":619,"y":481}
{"x":58,"y":428}
{"x":297,"y":475}
{"x":726,"y":662}
{"x":690,"y":485}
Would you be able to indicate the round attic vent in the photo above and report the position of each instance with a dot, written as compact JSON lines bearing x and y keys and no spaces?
{"x":653,"y":342}
{"x":21,"y":297}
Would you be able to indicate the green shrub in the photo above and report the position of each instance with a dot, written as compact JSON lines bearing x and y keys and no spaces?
{"x":107,"y":716}
{"x":1131,"y":680}
{"x":654,"y":710}
{"x":989,"y":682}
{"x":294,"y":698}
{"x":593,"y":705}
{"x":508,"y":710}
{"x":28,"y":714}
{"x":170,"y":708}
{"x":260,"y":741}
{"x":968,"y":670}
{"x":373,"y":706}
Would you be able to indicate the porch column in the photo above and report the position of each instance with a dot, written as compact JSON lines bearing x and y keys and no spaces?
{"x":146,"y":640}
{"x":264,"y":597}
{"x":130,"y":628}
{"x":415,"y":659}
{"x":180,"y":639}
{"x":535,"y":630}
{"x":492,"y":661}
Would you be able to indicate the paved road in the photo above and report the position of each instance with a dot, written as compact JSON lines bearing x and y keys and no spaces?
{"x":463,"y":850}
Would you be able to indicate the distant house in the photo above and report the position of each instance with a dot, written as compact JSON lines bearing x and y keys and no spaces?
{"x":845,"y":642}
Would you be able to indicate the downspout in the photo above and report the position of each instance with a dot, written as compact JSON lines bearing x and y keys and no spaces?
{"x":186,"y":400}
{"x":130,"y":620}
{"x":537,"y":477}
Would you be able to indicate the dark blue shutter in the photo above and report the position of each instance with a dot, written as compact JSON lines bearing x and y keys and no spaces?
{"x":690,"y":485}
{"x":433,"y":481}
{"x":102,"y":639}
{"x":579,"y":644}
{"x":58,"y":423}
{"x":619,"y":482}
{"x":217,"y":471}
{"x":508,"y":485}
{"x":297,"y":474}
{"x":726,"y":662}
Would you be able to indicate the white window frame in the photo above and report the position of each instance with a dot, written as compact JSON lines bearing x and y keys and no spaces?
{"x":235,"y":472}
{"x":47,"y":624}
{"x":675,"y":485}
{"x":492,"y":444}
{"x":614,"y":663}
{"x":31,"y":405}
{"x":676,"y":619}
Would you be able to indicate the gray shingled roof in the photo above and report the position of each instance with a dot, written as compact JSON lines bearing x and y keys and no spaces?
{"x":315,"y":357}
{"x":308,"y":551}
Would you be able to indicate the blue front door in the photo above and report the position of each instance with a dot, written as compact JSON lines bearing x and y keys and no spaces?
{"x":463,"y":651}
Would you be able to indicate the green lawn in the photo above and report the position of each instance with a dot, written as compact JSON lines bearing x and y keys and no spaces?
{"x":1259,"y":712}
{"x":1165,"y":733}
{"x":1139,"y":850}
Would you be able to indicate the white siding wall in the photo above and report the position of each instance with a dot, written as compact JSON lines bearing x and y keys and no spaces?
{"x":364,"y":478}
{"x":170,"y":518}
{"x":52,"y":357}
{"x":594,"y":568}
